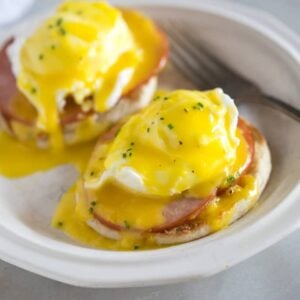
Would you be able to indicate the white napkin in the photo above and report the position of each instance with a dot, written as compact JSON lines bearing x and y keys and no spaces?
{"x":11,"y":10}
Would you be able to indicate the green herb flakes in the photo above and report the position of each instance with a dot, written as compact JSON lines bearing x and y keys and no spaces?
{"x":33,"y":90}
{"x":59,"y":21}
{"x":126,"y":224}
{"x":60,"y":224}
{"x":230,"y":179}
{"x":62,"y":31}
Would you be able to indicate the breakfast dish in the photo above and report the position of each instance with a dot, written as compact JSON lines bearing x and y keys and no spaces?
{"x":81,"y":71}
{"x":29,"y":202}
{"x":168,"y":167}
{"x":185,"y":166}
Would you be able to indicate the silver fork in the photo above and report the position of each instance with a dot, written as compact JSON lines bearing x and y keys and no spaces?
{"x":207,"y":71}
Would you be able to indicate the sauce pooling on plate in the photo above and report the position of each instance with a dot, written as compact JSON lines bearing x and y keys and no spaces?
{"x":18,"y":159}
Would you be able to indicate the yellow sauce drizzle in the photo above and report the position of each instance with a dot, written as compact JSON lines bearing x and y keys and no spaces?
{"x":219,"y":213}
{"x":18,"y":159}
{"x":66,"y":219}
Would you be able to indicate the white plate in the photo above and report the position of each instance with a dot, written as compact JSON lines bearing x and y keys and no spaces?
{"x":255,"y":50}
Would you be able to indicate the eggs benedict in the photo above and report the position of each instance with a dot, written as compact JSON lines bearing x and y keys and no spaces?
{"x":78,"y":73}
{"x":184,"y":167}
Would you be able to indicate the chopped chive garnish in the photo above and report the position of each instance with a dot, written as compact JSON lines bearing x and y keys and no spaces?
{"x":130,"y":154}
{"x":185,"y":110}
{"x":148,"y":129}
{"x":59,"y":21}
{"x":93,"y":203}
{"x":41,"y":56}
{"x":60,"y":224}
{"x":62,"y":31}
{"x":230,"y":179}
{"x":198,"y":106}
{"x":132,"y":144}
{"x":92,"y":173}
{"x":162,"y":118}
{"x":136,"y":247}
{"x":180,"y":143}
{"x":126,"y":224}
{"x":124,"y":155}
{"x":193,"y":171}
{"x":91,"y":210}
{"x":170,"y":126}
{"x":33,"y":90}
{"x":129,"y":149}
{"x":53,"y":47}
{"x":166,"y":98}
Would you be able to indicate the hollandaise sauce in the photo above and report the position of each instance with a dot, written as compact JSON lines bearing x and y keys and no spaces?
{"x":18,"y":159}
{"x":73,"y":223}
{"x":72,"y":219}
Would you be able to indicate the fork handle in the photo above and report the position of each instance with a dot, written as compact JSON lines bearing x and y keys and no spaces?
{"x":270,"y":101}
{"x":284,"y":107}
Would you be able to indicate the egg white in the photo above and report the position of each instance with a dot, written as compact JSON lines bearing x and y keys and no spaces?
{"x":125,"y":176}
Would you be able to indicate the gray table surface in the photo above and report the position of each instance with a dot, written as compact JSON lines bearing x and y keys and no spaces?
{"x":272,"y":274}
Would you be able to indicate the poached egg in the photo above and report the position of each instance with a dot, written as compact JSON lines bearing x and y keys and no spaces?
{"x":89,"y":52}
{"x":183,"y":141}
